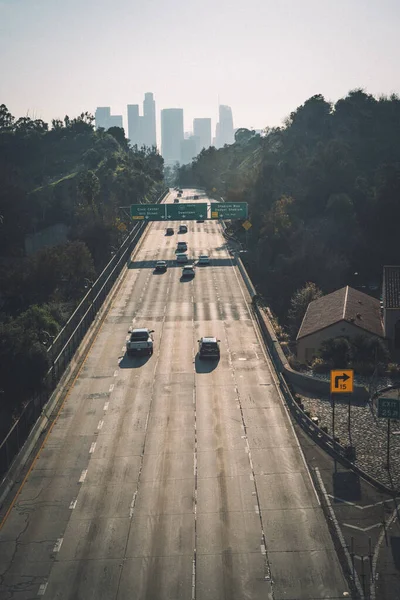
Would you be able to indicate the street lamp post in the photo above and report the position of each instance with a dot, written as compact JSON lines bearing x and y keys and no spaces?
{"x":89,"y":284}
{"x":47,"y":340}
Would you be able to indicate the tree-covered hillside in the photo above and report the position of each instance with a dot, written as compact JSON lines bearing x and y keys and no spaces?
{"x":68,"y":175}
{"x":323,"y":193}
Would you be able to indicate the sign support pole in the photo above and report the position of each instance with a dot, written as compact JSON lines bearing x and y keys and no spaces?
{"x":333,"y":417}
{"x":388,"y":447}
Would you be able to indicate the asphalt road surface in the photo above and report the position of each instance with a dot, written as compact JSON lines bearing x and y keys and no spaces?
{"x":167,"y":477}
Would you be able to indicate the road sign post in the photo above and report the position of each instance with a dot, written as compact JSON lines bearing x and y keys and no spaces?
{"x":229,"y":210}
{"x":388,"y":408}
{"x":186,"y":211}
{"x":342,"y":382}
{"x":148,"y":212}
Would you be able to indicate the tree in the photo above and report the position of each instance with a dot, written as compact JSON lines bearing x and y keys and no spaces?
{"x":6,"y":118}
{"x":299,"y":304}
{"x":336,"y":351}
{"x":89,"y":187}
{"x":119,"y":134}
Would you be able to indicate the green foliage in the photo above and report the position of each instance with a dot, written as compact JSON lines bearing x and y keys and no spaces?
{"x":298,"y":305}
{"x":67,"y":174}
{"x":369,"y":351}
{"x":323,"y":193}
{"x":363,"y":353}
{"x":337,"y":352}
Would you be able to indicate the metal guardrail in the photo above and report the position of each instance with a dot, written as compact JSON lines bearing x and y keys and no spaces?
{"x":65,"y":345}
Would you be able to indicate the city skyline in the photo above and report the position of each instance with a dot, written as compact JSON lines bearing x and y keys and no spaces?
{"x":261,"y":78}
{"x":176,"y":144}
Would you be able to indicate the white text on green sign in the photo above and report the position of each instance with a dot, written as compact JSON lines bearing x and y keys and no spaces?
{"x":388,"y":408}
{"x":230,"y":210}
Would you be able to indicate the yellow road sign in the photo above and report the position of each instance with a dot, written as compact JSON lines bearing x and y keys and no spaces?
{"x":214,"y":214}
{"x":342,"y":381}
{"x":247,"y":225}
{"x":138,"y":217}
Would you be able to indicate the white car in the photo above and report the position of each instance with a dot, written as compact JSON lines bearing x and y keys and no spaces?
{"x":140,"y":341}
{"x":204,"y":259}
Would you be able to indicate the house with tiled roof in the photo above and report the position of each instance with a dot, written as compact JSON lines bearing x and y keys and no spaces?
{"x":391,"y":304}
{"x":345,"y":312}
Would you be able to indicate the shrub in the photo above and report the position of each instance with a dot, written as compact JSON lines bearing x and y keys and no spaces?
{"x":336,"y":351}
{"x":320,"y":366}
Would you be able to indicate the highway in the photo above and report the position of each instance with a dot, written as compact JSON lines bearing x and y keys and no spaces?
{"x":166,"y":477}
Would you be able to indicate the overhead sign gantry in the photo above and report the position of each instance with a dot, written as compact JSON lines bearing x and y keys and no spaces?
{"x":188,"y":211}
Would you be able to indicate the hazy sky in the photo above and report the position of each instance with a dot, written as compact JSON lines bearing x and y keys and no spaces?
{"x":262,"y":57}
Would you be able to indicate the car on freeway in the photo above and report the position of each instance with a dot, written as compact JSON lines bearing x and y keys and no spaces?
{"x":169,"y":231}
{"x":181,"y":257}
{"x":188,"y":272}
{"x":209,"y":347}
{"x":195,"y":197}
{"x":181,"y":247}
{"x":204,"y":259}
{"x":161,"y":266}
{"x":140,"y":341}
{"x":200,"y":221}
{"x":176,"y":201}
{"x":182,"y":228}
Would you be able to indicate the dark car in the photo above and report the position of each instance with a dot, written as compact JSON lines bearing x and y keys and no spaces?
{"x":209,"y":347}
{"x":176,"y":201}
{"x":161,"y":266}
{"x":195,"y":197}
{"x":188,"y":272}
{"x":169,"y":231}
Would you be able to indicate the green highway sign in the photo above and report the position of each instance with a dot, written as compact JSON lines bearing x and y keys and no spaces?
{"x":229,"y":210}
{"x":388,"y":408}
{"x":186,"y":211}
{"x":148,"y":212}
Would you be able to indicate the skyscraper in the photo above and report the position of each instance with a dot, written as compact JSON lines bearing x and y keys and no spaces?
{"x":149,"y":120}
{"x":115,"y":121}
{"x":225,"y":127}
{"x":134,"y":133}
{"x":104,"y":119}
{"x":142,"y":130}
{"x":202,"y":129}
{"x":171,"y":134}
{"x":102,"y":116}
{"x":189,"y":149}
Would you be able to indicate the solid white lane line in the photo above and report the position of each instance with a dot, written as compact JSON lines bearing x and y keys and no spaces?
{"x":92,"y":448}
{"x":58,"y":545}
{"x":83,"y":476}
